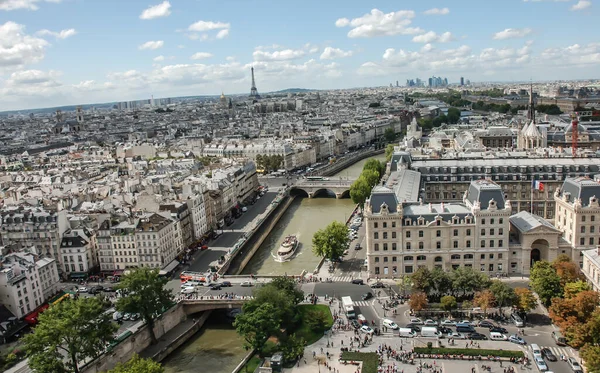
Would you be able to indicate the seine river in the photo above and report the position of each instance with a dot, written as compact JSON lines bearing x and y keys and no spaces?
{"x":217,"y":348}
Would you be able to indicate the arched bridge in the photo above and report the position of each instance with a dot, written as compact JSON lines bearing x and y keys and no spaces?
{"x":195,"y":305}
{"x":338,"y":186}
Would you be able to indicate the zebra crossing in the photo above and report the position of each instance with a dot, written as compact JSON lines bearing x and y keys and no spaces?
{"x":361,"y":303}
{"x":557,"y":351}
{"x":342,"y":278}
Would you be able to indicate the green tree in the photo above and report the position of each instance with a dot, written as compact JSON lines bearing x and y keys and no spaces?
{"x":448,"y":303}
{"x":290,"y":287}
{"x":376,"y":165}
{"x":591,"y":355}
{"x":316,"y":320}
{"x":440,"y":281}
{"x":389,"y":151}
{"x":574,"y":288}
{"x":468,"y":281}
{"x":67,"y":334}
{"x":283,"y":302}
{"x":257,"y":325}
{"x":332,"y":241}
{"x":389,"y":134}
{"x":504,"y":294}
{"x":422,"y":280}
{"x":138,"y":365}
{"x":292,"y":347}
{"x":360,"y":190}
{"x":371,"y":176}
{"x":453,"y":115}
{"x":145,"y":293}
{"x":545,"y":281}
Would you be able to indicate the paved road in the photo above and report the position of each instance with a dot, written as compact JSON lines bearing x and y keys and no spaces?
{"x":231,"y":234}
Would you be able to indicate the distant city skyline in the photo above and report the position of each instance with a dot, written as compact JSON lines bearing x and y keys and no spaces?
{"x":68,"y":52}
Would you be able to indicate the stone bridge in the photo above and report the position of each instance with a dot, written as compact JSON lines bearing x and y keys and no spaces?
{"x":338,"y":186}
{"x":195,"y":305}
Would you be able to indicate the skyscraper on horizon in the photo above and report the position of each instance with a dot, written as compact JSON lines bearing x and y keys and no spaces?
{"x":253,"y":90}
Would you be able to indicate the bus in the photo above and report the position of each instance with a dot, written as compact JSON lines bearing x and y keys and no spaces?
{"x":316,"y":178}
{"x":348,"y":307}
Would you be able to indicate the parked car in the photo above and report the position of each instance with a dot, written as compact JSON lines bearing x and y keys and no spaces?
{"x":390,"y":324}
{"x":430,"y":322}
{"x":378,"y":285}
{"x":541,"y":364}
{"x":416,"y":321}
{"x":366,"y":329}
{"x":117,"y":316}
{"x":478,"y":337}
{"x":456,"y":335}
{"x":516,"y":339}
{"x":498,"y":329}
{"x":358,"y":281}
{"x":367,"y":296}
{"x":246,"y":284}
{"x":445,"y":330}
{"x":495,"y":336}
{"x":413,"y":327}
{"x":574,"y":365}
{"x":547,"y":353}
{"x":448,"y":323}
{"x":134,"y":316}
{"x":486,"y":324}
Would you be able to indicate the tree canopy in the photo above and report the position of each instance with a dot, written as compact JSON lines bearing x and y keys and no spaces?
{"x":389,"y":134}
{"x":389,"y":151}
{"x":257,"y":325}
{"x":545,"y":281}
{"x":453,"y":115}
{"x":485,"y":300}
{"x":68,"y":333}
{"x":145,"y":294}
{"x":418,"y":301}
{"x":331,"y":241}
{"x":269,"y":162}
{"x":376,"y":165}
{"x":138,"y":365}
{"x":524,"y":299}
{"x":448,"y":303}
{"x":360,"y":190}
{"x":504,"y":294}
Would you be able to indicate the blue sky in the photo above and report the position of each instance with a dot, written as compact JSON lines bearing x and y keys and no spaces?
{"x":59,"y":52}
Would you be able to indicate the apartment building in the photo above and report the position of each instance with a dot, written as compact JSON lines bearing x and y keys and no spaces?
{"x":78,"y":250}
{"x":25,"y":227}
{"x":578,"y":214}
{"x":591,"y":267}
{"x":105,"y":249}
{"x":158,"y":241}
{"x":180,"y":213}
{"x":403,"y":236}
{"x":26,"y":283}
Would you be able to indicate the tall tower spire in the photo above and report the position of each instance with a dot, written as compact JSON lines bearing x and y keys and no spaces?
{"x":253,"y":90}
{"x":531,"y":106}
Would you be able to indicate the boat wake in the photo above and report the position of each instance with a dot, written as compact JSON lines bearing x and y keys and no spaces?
{"x":276,"y":257}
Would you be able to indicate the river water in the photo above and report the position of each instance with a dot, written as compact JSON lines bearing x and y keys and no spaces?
{"x":217,"y":348}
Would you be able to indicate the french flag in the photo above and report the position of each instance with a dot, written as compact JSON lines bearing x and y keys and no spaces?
{"x":537,"y":185}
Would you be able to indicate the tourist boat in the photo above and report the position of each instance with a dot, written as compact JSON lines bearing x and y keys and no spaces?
{"x":288,"y":248}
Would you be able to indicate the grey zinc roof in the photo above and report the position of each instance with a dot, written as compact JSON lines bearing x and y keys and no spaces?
{"x":381,"y":195}
{"x":429,"y":212}
{"x":399,"y":157}
{"x":581,"y":187}
{"x":484,"y":191}
{"x":524,"y":221}
{"x":406,"y":185}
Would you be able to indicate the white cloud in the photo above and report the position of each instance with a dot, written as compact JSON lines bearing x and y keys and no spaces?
{"x":342,"y":22}
{"x":158,"y":58}
{"x":512,"y":33}
{"x":201,"y":55}
{"x":23,"y":4}
{"x":161,"y":10}
{"x":332,"y":53}
{"x":201,"y":26}
{"x":572,"y":55}
{"x":17,"y":48}
{"x":30,"y":83}
{"x":223,"y":34}
{"x":63,"y":34}
{"x":152,"y":45}
{"x":581,"y":5}
{"x":280,"y":55}
{"x":92,"y":85}
{"x":432,"y":37}
{"x":436,"y":11}
{"x":377,"y":23}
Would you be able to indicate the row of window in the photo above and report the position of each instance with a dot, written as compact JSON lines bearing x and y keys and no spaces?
{"x":410,"y":269}
{"x":408,"y":258}
{"x":438,"y":245}
{"x":582,"y":241}
{"x":592,"y":228}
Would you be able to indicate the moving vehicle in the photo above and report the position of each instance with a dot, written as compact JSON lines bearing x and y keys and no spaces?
{"x":499,"y":329}
{"x":357,"y":246}
{"x":574,"y":365}
{"x":559,"y":339}
{"x":390,"y":324}
{"x":536,"y":350}
{"x":366,"y":329}
{"x":246,"y":284}
{"x":358,"y":281}
{"x":82,"y":289}
{"x":495,"y":336}
{"x":226,"y":284}
{"x":316,"y":178}
{"x":541,"y":364}
{"x":407,"y":332}
{"x":477,"y":337}
{"x":378,"y":285}
{"x":547,"y":353}
{"x":516,"y":339}
{"x":188,"y":290}
{"x":367,"y":296}
{"x":362,"y":319}
{"x":348,"y":307}
{"x":215,"y":286}
{"x":429,"y":331}
{"x":355,"y":324}
{"x":287,"y":248}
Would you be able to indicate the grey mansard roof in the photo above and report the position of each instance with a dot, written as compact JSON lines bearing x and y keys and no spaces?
{"x":581,"y":187}
{"x":483,"y":191}
{"x":381,"y":195}
{"x":399,"y":157}
{"x":525,"y":221}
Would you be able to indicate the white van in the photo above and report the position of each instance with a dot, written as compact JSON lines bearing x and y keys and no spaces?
{"x":429,"y":331}
{"x":535,"y":349}
{"x":390,"y":324}
{"x":495,"y":336}
{"x":407,"y":332}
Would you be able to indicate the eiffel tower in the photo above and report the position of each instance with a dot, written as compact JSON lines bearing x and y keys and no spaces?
{"x":253,"y":90}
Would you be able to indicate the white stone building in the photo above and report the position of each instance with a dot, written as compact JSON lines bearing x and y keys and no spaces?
{"x":78,"y":250}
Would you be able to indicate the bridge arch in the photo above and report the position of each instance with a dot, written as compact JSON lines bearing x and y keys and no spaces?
{"x":345,"y":194}
{"x":323,"y":192}
{"x":298,"y":192}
